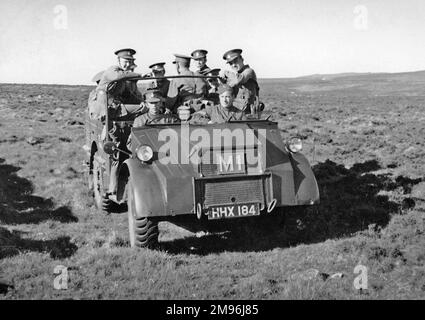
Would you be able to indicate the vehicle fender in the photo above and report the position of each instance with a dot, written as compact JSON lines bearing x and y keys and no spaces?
{"x":149,"y":195}
{"x":305,"y":183}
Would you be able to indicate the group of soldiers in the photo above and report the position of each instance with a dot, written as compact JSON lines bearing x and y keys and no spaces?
{"x":212,"y":95}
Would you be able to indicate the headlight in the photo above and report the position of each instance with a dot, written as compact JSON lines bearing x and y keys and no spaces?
{"x":144,"y":153}
{"x":295,"y":144}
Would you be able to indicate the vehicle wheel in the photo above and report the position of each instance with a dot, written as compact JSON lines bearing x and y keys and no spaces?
{"x":143,"y":231}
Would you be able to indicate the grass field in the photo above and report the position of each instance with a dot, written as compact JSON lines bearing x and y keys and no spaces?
{"x":364,"y":135}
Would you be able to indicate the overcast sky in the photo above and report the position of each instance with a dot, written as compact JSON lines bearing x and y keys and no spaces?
{"x":68,"y":41}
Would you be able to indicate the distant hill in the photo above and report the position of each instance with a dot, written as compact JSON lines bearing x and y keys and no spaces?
{"x":378,"y":84}
{"x":405,"y":83}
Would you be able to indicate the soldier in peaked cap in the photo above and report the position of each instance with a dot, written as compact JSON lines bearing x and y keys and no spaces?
{"x":154,"y":115}
{"x":162,"y":85}
{"x":121,"y":93}
{"x":123,"y":69}
{"x":213,"y":85}
{"x":242,"y":79}
{"x":184,"y":89}
{"x":157,"y":93}
{"x":200,"y":58}
{"x":158,"y":69}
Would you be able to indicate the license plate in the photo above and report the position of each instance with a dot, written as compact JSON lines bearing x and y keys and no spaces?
{"x":233,"y":211}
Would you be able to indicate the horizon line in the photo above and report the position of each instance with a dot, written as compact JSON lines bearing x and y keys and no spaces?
{"x":268,"y":78}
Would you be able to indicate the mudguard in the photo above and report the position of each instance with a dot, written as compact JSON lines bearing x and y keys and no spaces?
{"x":305,"y":183}
{"x":149,"y":196}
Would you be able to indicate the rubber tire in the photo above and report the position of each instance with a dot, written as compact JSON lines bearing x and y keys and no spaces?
{"x":143,"y":232}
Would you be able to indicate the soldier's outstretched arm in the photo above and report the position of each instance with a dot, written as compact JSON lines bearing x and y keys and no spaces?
{"x":115,"y":73}
{"x":241,"y":78}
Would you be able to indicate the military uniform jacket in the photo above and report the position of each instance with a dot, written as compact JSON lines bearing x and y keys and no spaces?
{"x":184,"y":89}
{"x":126,"y":91}
{"x":245,"y":86}
{"x":219,"y":114}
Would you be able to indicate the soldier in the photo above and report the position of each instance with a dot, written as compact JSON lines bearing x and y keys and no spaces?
{"x":243,"y":80}
{"x":200,"y":58}
{"x":162,"y":85}
{"x":225,"y":111}
{"x":213,"y":85}
{"x":122,"y":70}
{"x":121,"y":93}
{"x":95,"y":106}
{"x":154,"y":114}
{"x":184,"y":90}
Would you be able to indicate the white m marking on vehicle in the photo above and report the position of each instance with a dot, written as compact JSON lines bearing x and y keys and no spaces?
{"x":225,"y":165}
{"x":226,"y":162}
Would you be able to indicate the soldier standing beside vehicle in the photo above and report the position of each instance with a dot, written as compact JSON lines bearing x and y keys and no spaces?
{"x":185,"y":90}
{"x":120,"y":93}
{"x":123,"y":92}
{"x":243,"y":80}
{"x":200,"y":58}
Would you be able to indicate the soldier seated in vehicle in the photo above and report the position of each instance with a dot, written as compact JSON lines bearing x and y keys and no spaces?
{"x":225,"y":111}
{"x":154,"y":114}
{"x":156,"y":93}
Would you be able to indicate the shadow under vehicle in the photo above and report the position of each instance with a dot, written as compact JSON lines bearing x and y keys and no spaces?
{"x":200,"y":176}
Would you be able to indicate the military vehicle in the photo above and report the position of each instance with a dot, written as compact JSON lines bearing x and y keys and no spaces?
{"x":198,"y":175}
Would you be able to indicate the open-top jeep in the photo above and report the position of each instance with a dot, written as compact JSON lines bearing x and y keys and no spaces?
{"x":199,"y":175}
